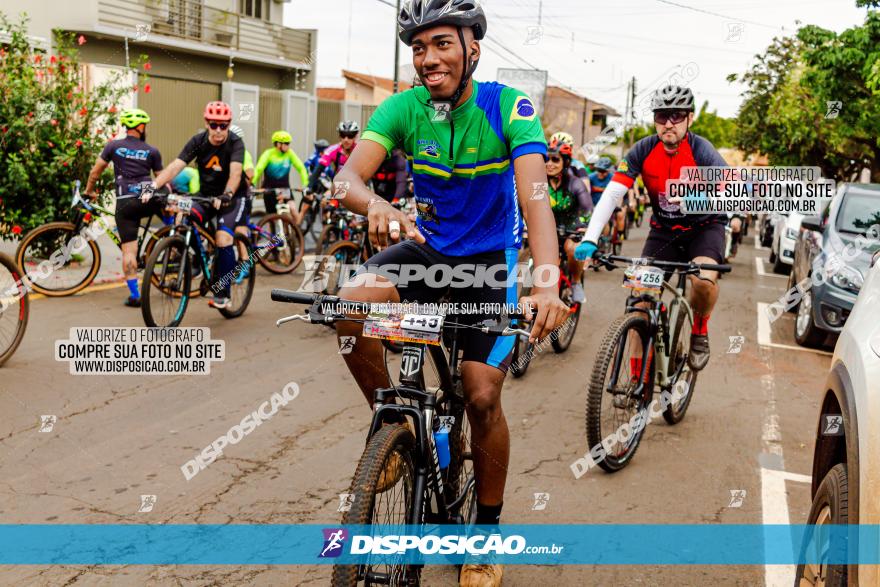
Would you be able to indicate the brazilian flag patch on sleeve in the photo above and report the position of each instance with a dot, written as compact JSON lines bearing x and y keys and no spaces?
{"x":523,"y":109}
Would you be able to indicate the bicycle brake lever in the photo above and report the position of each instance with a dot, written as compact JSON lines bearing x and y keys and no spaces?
{"x":303,"y":317}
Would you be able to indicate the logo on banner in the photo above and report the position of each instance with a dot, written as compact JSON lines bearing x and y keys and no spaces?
{"x":334,"y":538}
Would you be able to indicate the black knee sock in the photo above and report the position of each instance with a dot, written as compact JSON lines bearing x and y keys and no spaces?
{"x":488,"y":514}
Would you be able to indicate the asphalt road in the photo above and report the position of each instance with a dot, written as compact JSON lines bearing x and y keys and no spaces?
{"x":750,"y":428}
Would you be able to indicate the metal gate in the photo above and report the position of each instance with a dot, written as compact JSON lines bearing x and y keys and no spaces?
{"x":270,"y":118}
{"x":175,"y":107}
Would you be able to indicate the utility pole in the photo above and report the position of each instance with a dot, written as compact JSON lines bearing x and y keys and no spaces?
{"x":631,"y":114}
{"x":623,"y":140}
{"x":396,"y":52}
{"x":540,"y":9}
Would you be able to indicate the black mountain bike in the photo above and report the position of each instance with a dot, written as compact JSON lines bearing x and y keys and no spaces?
{"x":622,"y":382}
{"x":399,"y":479}
{"x":181,"y":256}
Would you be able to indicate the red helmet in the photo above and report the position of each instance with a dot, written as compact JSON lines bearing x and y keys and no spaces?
{"x":219,"y":111}
{"x":558,"y":146}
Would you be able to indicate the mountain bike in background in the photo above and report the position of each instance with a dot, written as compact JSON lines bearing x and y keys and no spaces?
{"x":73,"y":256}
{"x":14,"y":307}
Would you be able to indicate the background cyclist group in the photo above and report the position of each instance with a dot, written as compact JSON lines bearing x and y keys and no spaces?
{"x":474,"y":174}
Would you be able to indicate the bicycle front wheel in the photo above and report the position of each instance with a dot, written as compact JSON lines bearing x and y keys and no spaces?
{"x":382,"y":493}
{"x":617,"y":400}
{"x":683,"y":383}
{"x":14,"y":308}
{"x":565,"y":333}
{"x":337,"y":265}
{"x":57,"y":260}
{"x":278,"y":243}
{"x":243,"y":279}
{"x":166,"y":283}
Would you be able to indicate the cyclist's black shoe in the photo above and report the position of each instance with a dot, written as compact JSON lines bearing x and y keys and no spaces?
{"x":699,"y":354}
{"x":133,"y":302}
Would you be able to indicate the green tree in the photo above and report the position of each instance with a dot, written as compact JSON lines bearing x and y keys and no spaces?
{"x":718,"y":130}
{"x":785,"y":107}
{"x":51,"y":129}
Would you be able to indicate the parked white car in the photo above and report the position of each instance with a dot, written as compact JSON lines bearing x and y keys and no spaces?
{"x":785,"y":234}
{"x":846,"y":460}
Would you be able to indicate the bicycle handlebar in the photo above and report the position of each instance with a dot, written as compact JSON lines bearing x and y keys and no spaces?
{"x":690,"y":266}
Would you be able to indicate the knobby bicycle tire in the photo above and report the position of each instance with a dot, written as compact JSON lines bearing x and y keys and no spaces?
{"x":152,"y":281}
{"x":195,"y":289}
{"x":388,"y":440}
{"x":21,"y":297}
{"x":62,"y":228}
{"x":596,"y":393}
{"x":675,"y":411}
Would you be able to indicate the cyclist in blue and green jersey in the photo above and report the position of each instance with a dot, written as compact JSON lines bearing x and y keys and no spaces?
{"x":273,"y":168}
{"x":477,"y":153}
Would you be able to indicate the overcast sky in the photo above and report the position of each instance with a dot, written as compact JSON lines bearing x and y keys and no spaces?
{"x":613,"y":40}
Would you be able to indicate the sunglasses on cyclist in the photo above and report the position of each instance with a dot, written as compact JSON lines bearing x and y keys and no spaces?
{"x":555,"y":159}
{"x":675,"y":117}
{"x":220,"y":125}
{"x":348,"y":135}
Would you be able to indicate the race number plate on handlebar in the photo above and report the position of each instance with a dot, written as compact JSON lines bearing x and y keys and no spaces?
{"x":184,"y":205}
{"x":643,"y":278}
{"x":418,"y":328}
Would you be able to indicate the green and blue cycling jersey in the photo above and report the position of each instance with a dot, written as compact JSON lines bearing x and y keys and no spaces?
{"x":463,"y":169}
{"x":186,"y":182}
{"x":274,"y":167}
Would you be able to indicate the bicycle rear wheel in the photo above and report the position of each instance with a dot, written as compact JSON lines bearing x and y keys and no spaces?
{"x":279,"y":243}
{"x":329,"y":237}
{"x":616,"y":417}
{"x":14,"y":308}
{"x":684,"y":383}
{"x":382,"y":499}
{"x":243,"y":279}
{"x":57,"y":260}
{"x":166,"y":283}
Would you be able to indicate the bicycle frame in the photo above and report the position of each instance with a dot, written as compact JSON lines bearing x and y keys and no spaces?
{"x":82,"y":207}
{"x":659,"y":319}
{"x":412,"y":387}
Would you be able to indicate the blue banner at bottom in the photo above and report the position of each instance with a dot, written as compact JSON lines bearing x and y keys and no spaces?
{"x":612,"y":544}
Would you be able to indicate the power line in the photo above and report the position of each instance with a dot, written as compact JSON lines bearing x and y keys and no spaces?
{"x":709,"y":12}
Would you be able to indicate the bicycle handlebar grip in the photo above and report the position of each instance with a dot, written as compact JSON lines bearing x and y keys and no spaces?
{"x":292,"y":297}
{"x":718,"y":268}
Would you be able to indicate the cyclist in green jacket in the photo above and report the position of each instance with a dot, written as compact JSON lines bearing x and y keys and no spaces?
{"x":273,"y":167}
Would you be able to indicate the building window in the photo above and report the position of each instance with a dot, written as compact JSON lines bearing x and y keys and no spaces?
{"x":255,"y":8}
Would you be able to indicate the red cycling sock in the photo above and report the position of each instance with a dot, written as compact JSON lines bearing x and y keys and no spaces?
{"x":701,"y":324}
{"x":635,"y":366}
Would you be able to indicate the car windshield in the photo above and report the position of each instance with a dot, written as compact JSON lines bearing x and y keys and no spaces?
{"x":858,"y":213}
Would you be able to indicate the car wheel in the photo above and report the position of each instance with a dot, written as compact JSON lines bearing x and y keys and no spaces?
{"x":779,"y":267}
{"x":830,"y":506}
{"x":772,"y":257}
{"x":806,"y":333}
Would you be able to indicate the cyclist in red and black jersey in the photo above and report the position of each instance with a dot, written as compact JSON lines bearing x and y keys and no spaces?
{"x":674,"y":236}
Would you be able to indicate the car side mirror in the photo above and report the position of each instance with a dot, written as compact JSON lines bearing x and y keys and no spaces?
{"x":812,"y":223}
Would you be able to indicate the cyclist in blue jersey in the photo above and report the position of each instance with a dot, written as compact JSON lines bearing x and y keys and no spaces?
{"x":599,"y":180}
{"x":312,"y":162}
{"x":186,"y":182}
{"x":477,"y":153}
{"x":133,"y":160}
